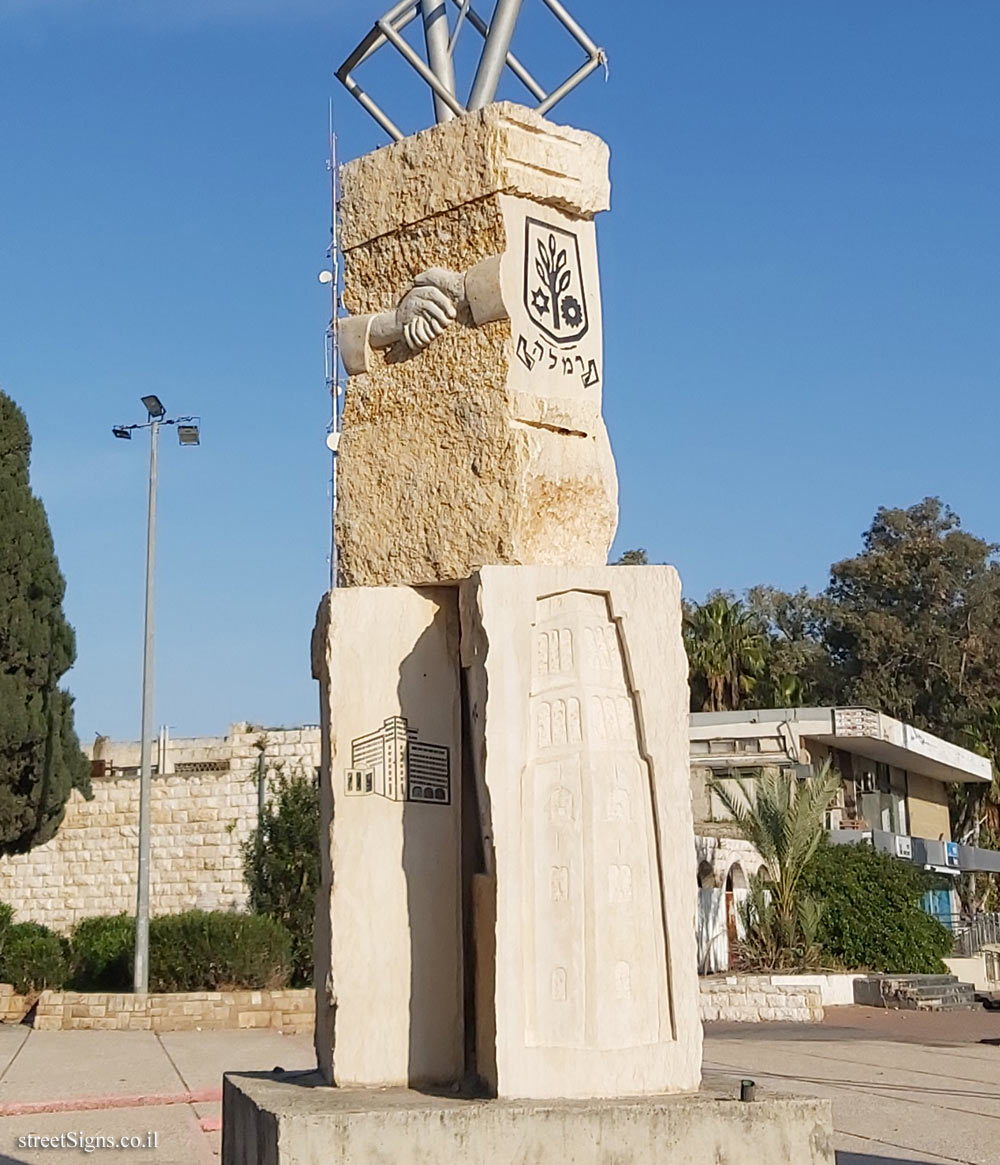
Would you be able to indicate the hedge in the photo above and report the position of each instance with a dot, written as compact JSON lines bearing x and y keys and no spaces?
{"x":196,"y":951}
{"x":872,"y":919}
{"x":32,"y":957}
{"x":215,"y":950}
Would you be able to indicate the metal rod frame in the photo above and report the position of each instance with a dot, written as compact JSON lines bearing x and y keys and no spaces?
{"x":438,"y":72}
{"x":515,"y":66}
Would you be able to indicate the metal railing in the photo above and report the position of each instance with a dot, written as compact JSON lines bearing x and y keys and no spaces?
{"x":971,"y":933}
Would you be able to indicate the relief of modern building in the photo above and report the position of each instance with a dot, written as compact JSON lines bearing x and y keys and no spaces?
{"x":393,"y":762}
{"x":893,"y":794}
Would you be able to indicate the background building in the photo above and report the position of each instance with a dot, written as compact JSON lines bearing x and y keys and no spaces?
{"x":205,"y":799}
{"x":893,"y":793}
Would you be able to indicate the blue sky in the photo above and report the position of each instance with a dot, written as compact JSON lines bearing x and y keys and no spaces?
{"x":801,"y":278}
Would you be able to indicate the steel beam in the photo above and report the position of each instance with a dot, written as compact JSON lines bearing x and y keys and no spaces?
{"x":435,"y":18}
{"x":491,"y":63}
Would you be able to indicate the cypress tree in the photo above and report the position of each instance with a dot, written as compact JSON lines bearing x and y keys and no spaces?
{"x":40,"y":756}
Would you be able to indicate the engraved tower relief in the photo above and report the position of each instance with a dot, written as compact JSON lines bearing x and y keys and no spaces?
{"x":595,"y":956}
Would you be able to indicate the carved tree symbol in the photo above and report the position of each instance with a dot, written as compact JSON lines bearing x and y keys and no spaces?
{"x":551,"y":268}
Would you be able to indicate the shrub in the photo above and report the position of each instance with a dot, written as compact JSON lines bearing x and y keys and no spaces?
{"x":281,"y":865}
{"x":32,"y":957}
{"x":871,"y":917}
{"x":215,"y":950}
{"x":101,"y":953}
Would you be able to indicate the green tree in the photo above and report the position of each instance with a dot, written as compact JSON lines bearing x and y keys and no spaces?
{"x":784,"y":818}
{"x":40,"y":756}
{"x":797,"y":668}
{"x":913,"y":621}
{"x":725,"y":645}
{"x":633,"y":558}
{"x":281,"y":864}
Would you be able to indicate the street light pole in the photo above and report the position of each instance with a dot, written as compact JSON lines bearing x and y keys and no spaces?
{"x":140,"y":982}
{"x":188,"y":434}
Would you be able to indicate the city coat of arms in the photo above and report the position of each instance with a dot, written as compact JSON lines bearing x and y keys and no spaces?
{"x":553,"y":282}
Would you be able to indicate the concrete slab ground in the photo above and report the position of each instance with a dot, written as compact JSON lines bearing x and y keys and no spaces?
{"x":907,"y":1088}
{"x":126,"y":1084}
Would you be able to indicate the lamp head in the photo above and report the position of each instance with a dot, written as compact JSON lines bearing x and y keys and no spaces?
{"x":154,"y":406}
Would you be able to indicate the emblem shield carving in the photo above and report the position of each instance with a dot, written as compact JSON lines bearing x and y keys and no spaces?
{"x":554,"y":294}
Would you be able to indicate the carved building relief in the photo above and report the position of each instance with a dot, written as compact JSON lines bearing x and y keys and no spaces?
{"x":394,"y":763}
{"x":595,"y":962}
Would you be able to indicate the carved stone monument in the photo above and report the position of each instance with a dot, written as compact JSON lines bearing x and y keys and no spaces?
{"x":474,"y":454}
{"x":508,"y":869}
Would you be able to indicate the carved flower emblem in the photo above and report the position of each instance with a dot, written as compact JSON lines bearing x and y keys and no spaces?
{"x":572,"y":313}
{"x":539,"y":301}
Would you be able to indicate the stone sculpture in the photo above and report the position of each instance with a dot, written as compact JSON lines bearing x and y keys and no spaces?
{"x":477,"y":502}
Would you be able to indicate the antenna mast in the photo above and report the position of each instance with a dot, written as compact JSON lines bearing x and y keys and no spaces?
{"x":333,"y":377}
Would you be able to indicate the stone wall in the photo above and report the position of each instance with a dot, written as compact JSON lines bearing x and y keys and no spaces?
{"x":204,"y":806}
{"x":291,"y":1011}
{"x":757,"y":999}
{"x":13,"y":1007}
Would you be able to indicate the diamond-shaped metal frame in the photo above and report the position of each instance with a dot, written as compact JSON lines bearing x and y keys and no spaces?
{"x":388,"y":30}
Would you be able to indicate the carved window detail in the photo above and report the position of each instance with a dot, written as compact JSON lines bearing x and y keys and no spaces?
{"x":619,"y":883}
{"x":561,"y":806}
{"x":623,"y":981}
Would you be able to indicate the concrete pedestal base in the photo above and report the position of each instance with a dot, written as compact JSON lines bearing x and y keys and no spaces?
{"x":289,"y":1119}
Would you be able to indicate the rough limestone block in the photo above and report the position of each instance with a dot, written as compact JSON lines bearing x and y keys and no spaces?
{"x":389,"y":931}
{"x":577,"y":683}
{"x":488,"y":445}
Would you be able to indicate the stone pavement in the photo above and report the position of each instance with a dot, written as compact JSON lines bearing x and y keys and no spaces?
{"x":117,"y":1084}
{"x":907,"y":1088}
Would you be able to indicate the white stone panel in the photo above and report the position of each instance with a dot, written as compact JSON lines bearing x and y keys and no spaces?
{"x":586,"y":982}
{"x":389,"y":933}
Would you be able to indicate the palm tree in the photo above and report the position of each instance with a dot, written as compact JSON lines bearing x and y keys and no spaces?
{"x":784,"y":818}
{"x":726,"y":649}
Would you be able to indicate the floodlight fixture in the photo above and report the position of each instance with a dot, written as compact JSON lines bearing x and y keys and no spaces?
{"x":123,"y":432}
{"x":154,"y":406}
{"x":188,"y":434}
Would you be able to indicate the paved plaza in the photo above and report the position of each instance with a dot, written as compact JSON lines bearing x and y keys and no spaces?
{"x":907,"y":1089}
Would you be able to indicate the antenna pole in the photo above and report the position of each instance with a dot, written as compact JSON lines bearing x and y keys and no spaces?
{"x":333,"y":345}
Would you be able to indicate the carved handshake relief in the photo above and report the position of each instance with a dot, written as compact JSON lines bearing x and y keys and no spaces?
{"x":430,"y":306}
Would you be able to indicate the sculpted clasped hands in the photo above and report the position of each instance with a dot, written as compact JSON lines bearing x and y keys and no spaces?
{"x":426,"y":311}
{"x":430,"y":306}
